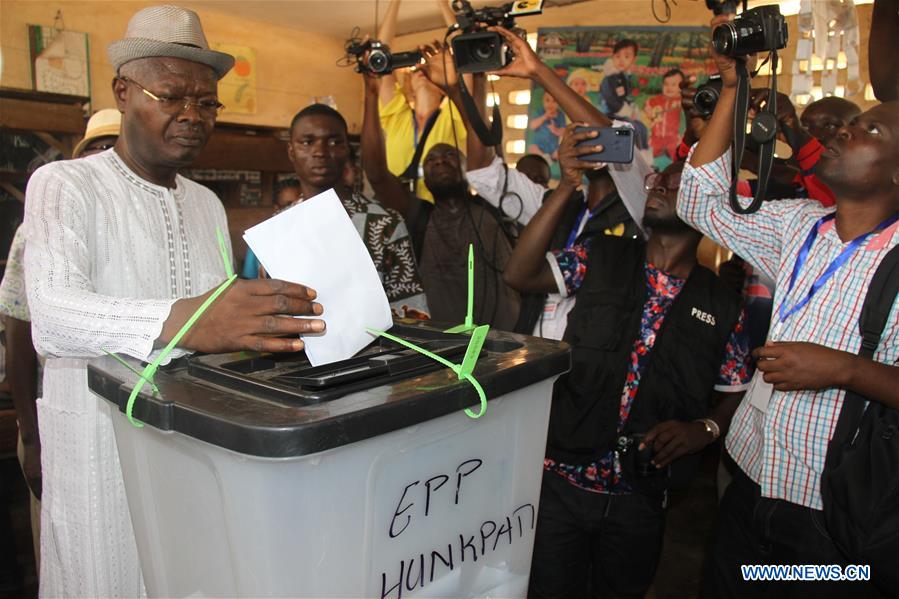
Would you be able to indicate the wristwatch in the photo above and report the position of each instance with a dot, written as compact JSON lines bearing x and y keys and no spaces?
{"x":710,"y":427}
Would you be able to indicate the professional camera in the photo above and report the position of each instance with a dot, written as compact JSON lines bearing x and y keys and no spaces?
{"x":722,"y":7}
{"x":761,"y":29}
{"x":706,"y":97}
{"x":374,"y":57}
{"x":477,"y":50}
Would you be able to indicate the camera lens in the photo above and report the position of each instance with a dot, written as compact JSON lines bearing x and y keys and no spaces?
{"x":378,"y":61}
{"x":484,"y":50}
{"x":724,"y":38}
{"x":705,"y":101}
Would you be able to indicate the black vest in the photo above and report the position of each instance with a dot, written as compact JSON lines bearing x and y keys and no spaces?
{"x":609,"y":213}
{"x":678,"y":380}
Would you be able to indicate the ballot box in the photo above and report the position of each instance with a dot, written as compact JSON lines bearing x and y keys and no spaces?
{"x":259,"y":475}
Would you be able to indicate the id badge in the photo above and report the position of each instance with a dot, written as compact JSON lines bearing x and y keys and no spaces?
{"x":759,"y":392}
{"x":549,"y":310}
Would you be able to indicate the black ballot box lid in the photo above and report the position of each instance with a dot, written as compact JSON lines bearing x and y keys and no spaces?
{"x":279,"y":405}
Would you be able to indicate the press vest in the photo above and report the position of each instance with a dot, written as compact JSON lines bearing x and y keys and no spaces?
{"x":678,"y":380}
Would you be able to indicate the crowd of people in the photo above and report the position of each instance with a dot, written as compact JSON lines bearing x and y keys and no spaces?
{"x":118,"y":250}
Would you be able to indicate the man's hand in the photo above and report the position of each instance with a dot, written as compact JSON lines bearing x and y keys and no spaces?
{"x":793,"y":366}
{"x":786,"y":117}
{"x":786,"y":112}
{"x":569,"y":154}
{"x":249,"y":315}
{"x":525,"y":63}
{"x":31,"y":466}
{"x":675,"y":438}
{"x":439,"y":66}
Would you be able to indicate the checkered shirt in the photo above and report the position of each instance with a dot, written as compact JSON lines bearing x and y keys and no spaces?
{"x":783,"y":448}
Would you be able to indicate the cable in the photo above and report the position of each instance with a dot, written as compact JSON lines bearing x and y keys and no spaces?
{"x":482,"y":249}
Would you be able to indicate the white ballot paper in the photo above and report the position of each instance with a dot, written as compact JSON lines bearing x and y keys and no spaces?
{"x":315,"y":243}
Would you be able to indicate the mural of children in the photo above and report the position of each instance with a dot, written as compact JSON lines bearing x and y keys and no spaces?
{"x":548,"y":128}
{"x":617,"y":87}
{"x":664,"y":113}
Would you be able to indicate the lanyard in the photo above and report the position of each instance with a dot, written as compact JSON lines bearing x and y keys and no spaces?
{"x":833,"y":267}
{"x":577,"y":225}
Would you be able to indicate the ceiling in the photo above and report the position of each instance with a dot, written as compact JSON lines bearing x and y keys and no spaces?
{"x":338,"y":17}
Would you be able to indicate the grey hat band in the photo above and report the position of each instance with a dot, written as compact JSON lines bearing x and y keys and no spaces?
{"x":124,"y":51}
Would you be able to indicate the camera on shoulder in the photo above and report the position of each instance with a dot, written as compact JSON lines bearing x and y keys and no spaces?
{"x":476,"y":50}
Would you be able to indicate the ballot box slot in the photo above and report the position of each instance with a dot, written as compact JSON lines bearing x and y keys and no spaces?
{"x":292,"y":379}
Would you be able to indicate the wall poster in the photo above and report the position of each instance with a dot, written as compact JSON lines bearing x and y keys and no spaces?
{"x":630,"y":73}
{"x":237,"y":90}
{"x":60,"y":61}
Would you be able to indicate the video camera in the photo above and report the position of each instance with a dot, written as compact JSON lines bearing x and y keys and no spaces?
{"x":477,"y":50}
{"x":371,"y":56}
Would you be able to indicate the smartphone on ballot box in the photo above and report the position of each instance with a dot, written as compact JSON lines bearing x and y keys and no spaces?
{"x":617,"y":144}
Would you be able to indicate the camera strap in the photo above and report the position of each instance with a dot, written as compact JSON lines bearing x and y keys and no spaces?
{"x":763,"y":131}
{"x":489,"y":137}
{"x":411,"y":172}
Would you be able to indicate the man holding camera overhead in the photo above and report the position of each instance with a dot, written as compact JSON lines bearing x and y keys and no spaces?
{"x":635,"y":404}
{"x":415,"y":113}
{"x":652,"y":333}
{"x":611,"y":204}
{"x":823,"y":261}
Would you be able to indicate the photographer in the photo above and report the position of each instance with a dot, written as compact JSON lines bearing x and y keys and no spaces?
{"x":612,"y":204}
{"x":652,"y":333}
{"x":442,"y":231}
{"x":404,"y":126}
{"x":772,"y":512}
{"x":787,"y":180}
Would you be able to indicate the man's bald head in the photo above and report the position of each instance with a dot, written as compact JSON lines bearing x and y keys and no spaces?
{"x":824,"y":117}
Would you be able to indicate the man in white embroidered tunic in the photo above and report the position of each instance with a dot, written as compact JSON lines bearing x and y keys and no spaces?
{"x":120,"y":251}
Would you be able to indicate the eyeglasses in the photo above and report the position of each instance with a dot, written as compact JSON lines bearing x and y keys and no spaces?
{"x":661,"y":183}
{"x":207,"y":107}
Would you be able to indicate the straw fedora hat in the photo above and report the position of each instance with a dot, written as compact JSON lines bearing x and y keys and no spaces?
{"x":168,"y":31}
{"x":103,"y":123}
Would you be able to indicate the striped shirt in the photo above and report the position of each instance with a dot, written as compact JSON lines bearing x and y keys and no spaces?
{"x":783,"y":448}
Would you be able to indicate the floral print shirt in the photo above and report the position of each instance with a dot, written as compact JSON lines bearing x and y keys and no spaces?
{"x":604,"y":475}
